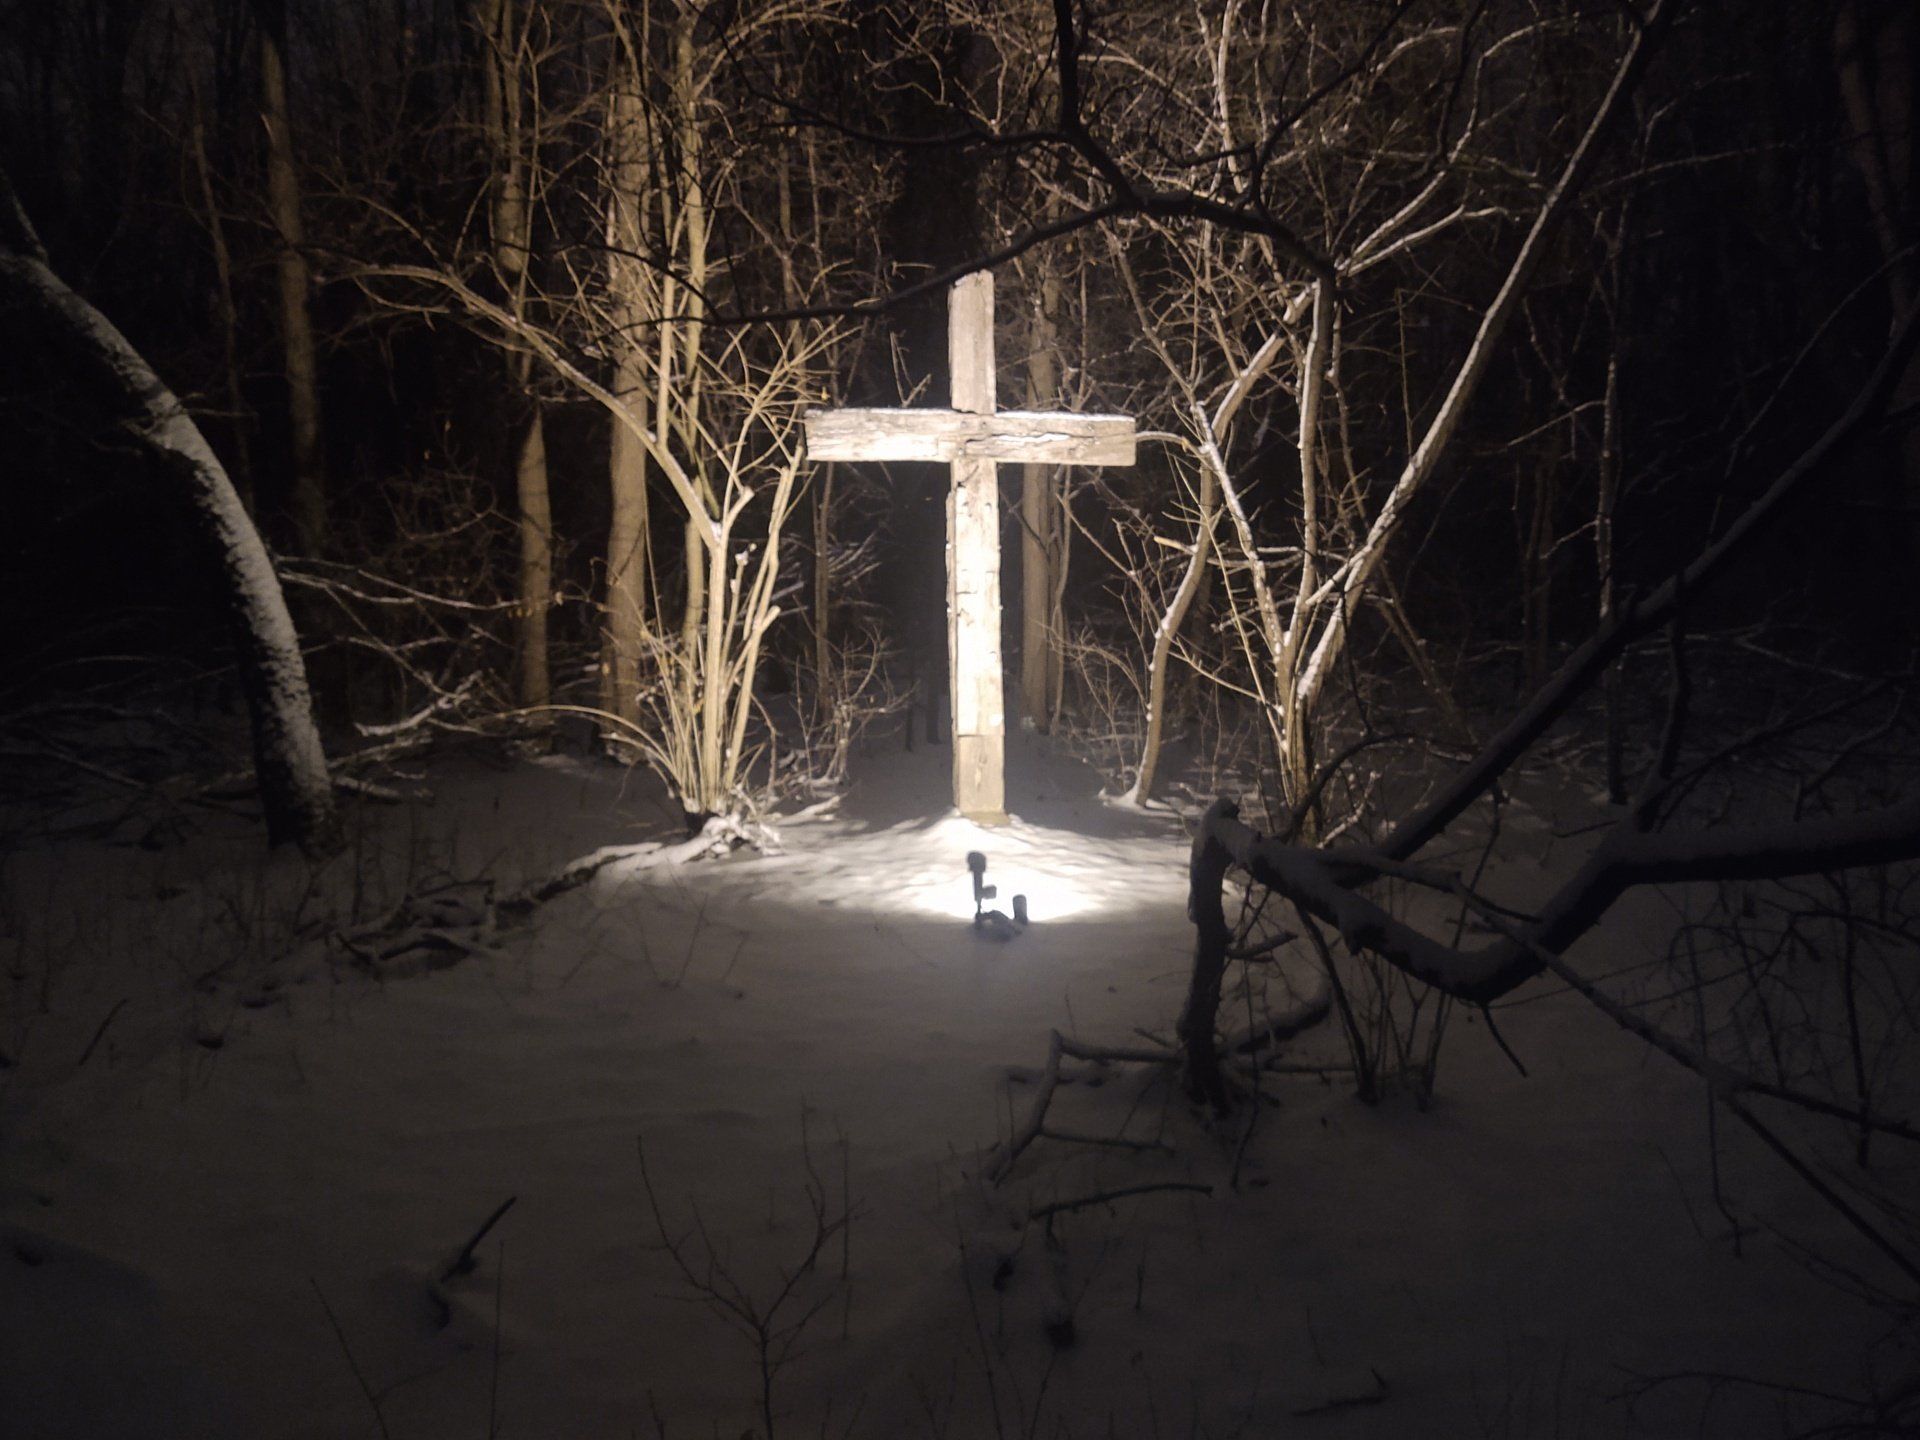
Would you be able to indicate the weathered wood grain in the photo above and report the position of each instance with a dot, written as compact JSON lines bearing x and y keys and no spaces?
{"x":942,"y":436}
{"x":973,"y":438}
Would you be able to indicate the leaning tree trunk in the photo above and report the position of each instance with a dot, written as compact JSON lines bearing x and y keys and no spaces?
{"x":289,"y":761}
{"x":1164,"y":633}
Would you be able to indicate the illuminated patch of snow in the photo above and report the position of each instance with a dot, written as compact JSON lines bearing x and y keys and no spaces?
{"x":920,"y":869}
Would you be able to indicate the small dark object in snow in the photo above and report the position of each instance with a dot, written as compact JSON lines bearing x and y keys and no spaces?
{"x":464,"y":1261}
{"x":994,"y":925}
{"x":977,"y":867}
{"x":1060,"y":1330}
{"x":1003,"y":1272}
{"x":210,"y":1042}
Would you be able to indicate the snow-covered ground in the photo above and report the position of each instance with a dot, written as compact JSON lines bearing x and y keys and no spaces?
{"x":230,"y":1219}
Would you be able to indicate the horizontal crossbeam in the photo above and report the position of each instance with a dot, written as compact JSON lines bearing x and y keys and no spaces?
{"x":1036,"y":437}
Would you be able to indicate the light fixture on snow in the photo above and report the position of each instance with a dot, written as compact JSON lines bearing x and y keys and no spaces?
{"x":982,"y":892}
{"x":992,"y":923}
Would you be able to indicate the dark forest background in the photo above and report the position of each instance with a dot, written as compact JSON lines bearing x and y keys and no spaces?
{"x":1708,"y":303}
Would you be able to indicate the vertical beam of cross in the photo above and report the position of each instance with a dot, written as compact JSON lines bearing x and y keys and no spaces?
{"x":974,"y":673}
{"x":973,"y":438}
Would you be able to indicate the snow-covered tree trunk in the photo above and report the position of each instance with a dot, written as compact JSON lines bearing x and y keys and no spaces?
{"x":288,"y":759}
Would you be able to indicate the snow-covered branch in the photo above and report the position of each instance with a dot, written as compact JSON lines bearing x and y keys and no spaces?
{"x":1323,"y":884}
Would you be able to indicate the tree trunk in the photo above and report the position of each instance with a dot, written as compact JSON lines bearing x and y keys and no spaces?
{"x":637,"y":299}
{"x":536,"y":562}
{"x":1873,"y":55}
{"x":1874,"y":65}
{"x":512,"y":241}
{"x":309,"y":492}
{"x":1039,"y":523}
{"x":228,"y":317}
{"x":1603,"y":559}
{"x":627,"y":546}
{"x":1206,"y":872}
{"x":1164,"y":635}
{"x":825,"y":684}
{"x":1537,"y":492}
{"x":1298,"y":698}
{"x":292,"y":768}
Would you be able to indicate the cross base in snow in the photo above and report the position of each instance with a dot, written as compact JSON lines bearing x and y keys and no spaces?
{"x":972,"y":438}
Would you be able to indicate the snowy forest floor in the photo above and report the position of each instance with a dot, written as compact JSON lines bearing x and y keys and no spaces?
{"x":233,"y":1167}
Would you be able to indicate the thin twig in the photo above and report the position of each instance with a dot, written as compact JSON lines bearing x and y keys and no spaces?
{"x":1060,"y":1207}
{"x":352,"y":1364}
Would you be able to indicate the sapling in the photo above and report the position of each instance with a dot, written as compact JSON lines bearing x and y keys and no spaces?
{"x":774,"y":1321}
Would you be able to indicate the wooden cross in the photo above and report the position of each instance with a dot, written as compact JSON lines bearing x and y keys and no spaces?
{"x":973,"y":438}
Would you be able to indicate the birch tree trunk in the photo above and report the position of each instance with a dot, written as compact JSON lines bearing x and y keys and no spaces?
{"x":309,"y":491}
{"x":512,"y":242}
{"x":627,"y":545}
{"x":635,"y":299}
{"x":704,"y":624}
{"x":1164,"y":634}
{"x":1041,"y":532}
{"x":828,"y":693}
{"x":1298,"y":701}
{"x":536,"y":558}
{"x":291,"y":766}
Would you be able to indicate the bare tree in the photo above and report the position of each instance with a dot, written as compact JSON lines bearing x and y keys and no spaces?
{"x":295,"y":280}
{"x":1325,"y":885}
{"x":513,"y":142}
{"x":288,"y":760}
{"x":709,"y":416}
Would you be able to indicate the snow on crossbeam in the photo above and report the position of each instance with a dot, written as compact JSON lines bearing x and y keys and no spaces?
{"x":942,"y":436}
